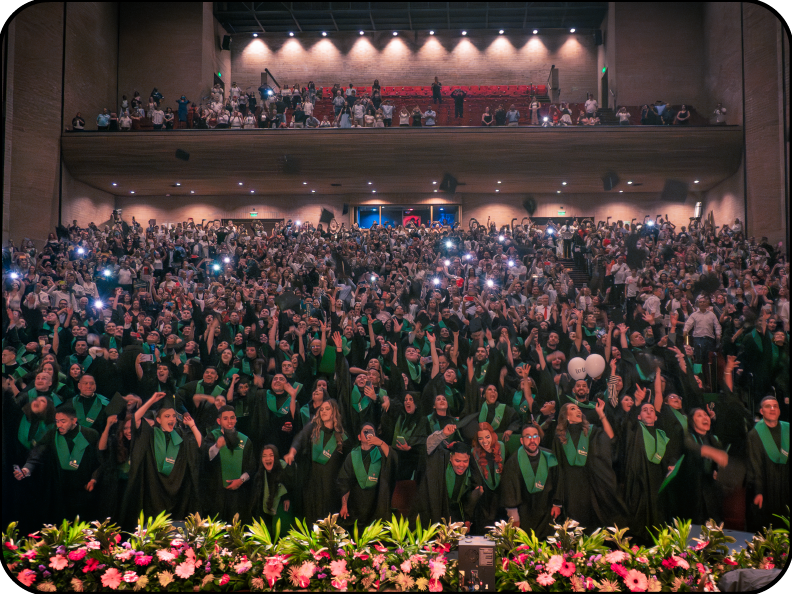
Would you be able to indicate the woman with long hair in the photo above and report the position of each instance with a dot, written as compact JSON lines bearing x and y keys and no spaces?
{"x":273,"y":491}
{"x":489,"y":455}
{"x":115,"y":451}
{"x":319,"y":451}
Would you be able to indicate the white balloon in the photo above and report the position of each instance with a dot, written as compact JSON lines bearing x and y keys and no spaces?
{"x":577,"y":368}
{"x":595,"y":365}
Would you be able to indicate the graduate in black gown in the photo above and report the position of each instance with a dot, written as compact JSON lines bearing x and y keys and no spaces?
{"x":278,"y":411}
{"x":115,"y":451}
{"x":366,"y":480}
{"x":318,"y":452}
{"x":587,"y":487}
{"x":489,"y":454}
{"x":23,"y":428}
{"x":89,"y":405}
{"x":197,"y":398}
{"x":68,"y":458}
{"x":406,"y":429}
{"x":229,"y":465}
{"x":530,"y":477}
{"x":768,"y":467}
{"x":164,"y":468}
{"x":274,"y":488}
{"x":451,"y":486}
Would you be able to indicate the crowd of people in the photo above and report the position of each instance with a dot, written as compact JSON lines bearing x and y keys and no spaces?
{"x":316,"y":370}
{"x":282,"y":107}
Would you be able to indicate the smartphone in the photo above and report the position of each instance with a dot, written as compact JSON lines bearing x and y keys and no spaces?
{"x":146,"y":358}
{"x":400,"y":440}
{"x":368,"y":433}
{"x":672,"y":338}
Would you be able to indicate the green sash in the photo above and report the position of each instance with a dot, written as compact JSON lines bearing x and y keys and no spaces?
{"x":166,"y":456}
{"x":86,"y":363}
{"x":450,"y":480}
{"x":89,"y":418}
{"x":345,"y":346}
{"x":535,"y":483}
{"x":24,"y":432}
{"x":370,"y":479}
{"x":493,"y":480}
{"x":452,"y":396}
{"x":231,"y":460}
{"x":279,"y":493}
{"x":758,"y":340}
{"x":322,"y":454}
{"x":305,"y":414}
{"x":519,"y":403}
{"x":359,"y":402}
{"x":401,"y":431}
{"x":247,"y":368}
{"x":654,"y":448}
{"x":772,"y":451}
{"x":681,"y":418}
{"x":576,"y":456}
{"x":484,"y":368}
{"x":672,"y":474}
{"x":70,"y":460}
{"x":33,"y":394}
{"x":581,"y":404}
{"x":415,"y":371}
{"x":496,"y":420}
{"x":200,"y":388}
{"x":272,"y":404}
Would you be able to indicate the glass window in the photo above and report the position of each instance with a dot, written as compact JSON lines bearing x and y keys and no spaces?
{"x":367,"y":216}
{"x":446,"y":215}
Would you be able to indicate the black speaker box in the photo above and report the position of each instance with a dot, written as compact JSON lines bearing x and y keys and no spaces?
{"x":449,"y":184}
{"x":476,"y":564}
{"x":675,"y":191}
{"x":609,"y":181}
{"x":346,"y":209}
{"x":226,"y":42}
{"x":183,"y":155}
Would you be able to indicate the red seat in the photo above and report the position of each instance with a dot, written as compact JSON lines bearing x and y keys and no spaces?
{"x":521,"y":90}
{"x":426,"y":91}
{"x":387,"y":91}
{"x":368,"y":90}
{"x":474,"y":90}
{"x":541,"y":90}
{"x":493,"y":91}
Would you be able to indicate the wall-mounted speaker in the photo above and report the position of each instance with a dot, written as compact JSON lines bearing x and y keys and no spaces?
{"x":183,"y":155}
{"x":449,"y":184}
{"x":346,"y":209}
{"x":674,"y":191}
{"x":609,"y":181}
{"x":226,"y":42}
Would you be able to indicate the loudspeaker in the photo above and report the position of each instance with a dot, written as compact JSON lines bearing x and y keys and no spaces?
{"x":476,"y":564}
{"x":598,"y":37}
{"x":226,"y":42}
{"x":183,"y":155}
{"x":609,"y":181}
{"x":448,"y":184}
{"x":326,"y":216}
{"x":675,"y":190}
{"x":346,"y":209}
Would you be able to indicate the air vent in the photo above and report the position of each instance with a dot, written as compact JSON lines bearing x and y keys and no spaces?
{"x":336,"y":185}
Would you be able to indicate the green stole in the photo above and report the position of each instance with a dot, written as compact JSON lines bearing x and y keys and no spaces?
{"x":680,"y":417}
{"x":279,"y":493}
{"x":576,"y":456}
{"x":86,"y":363}
{"x":33,"y":394}
{"x":305,"y":414}
{"x":520,"y":404}
{"x":247,"y":368}
{"x":345,"y":348}
{"x":24,"y":432}
{"x":200,"y":388}
{"x":87,"y":419}
{"x":535,"y":483}
{"x":452,"y":396}
{"x":231,"y":460}
{"x":70,"y":460}
{"x":401,"y":431}
{"x":112,"y":344}
{"x":424,"y":347}
{"x":272,"y":404}
{"x":435,"y":423}
{"x":581,"y":404}
{"x":321,"y":454}
{"x":484,"y":368}
{"x":148,"y":349}
{"x":166,"y":456}
{"x":758,"y":340}
{"x":654,"y":448}
{"x":364,"y":479}
{"x":450,"y":480}
{"x":359,"y":402}
{"x":772,"y":451}
{"x":415,"y":371}
{"x":496,"y":420}
{"x":493,"y":480}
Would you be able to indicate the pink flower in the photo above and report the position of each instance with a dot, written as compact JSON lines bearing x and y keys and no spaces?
{"x":505,"y":564}
{"x":554,"y":564}
{"x":636,"y":581}
{"x":185,"y":570}
{"x":702,"y":569}
{"x":766,"y":564}
{"x":27,"y":577}
{"x":318,"y":555}
{"x":130,"y":577}
{"x":90,"y":565}
{"x":701,"y":545}
{"x":680,"y":562}
{"x":523,"y":586}
{"x":380,"y":548}
{"x":272,"y":570}
{"x":78,"y":554}
{"x":225,"y":579}
{"x":578,"y":555}
{"x":378,"y":560}
{"x":338,"y":567}
{"x":437,"y":567}
{"x":58,"y":562}
{"x":406,"y":566}
{"x":435,"y":585}
{"x":117,"y":538}
{"x":616,"y":557}
{"x":164,"y":555}
{"x":31,"y":554}
{"x":521,"y":558}
{"x":143,"y":560}
{"x":619,"y":570}
{"x":10,"y":546}
{"x":306,"y":570}
{"x":111,"y":578}
{"x":243,"y":566}
{"x":124,"y":555}
{"x":545,"y":579}
{"x":357,"y":555}
{"x":339,"y":584}
{"x":567,"y":569}
{"x":635,"y":549}
{"x":93,"y":545}
{"x":642,"y":560}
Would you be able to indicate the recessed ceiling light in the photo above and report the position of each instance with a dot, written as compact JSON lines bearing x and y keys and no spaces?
{"x":291,"y":33}
{"x":433,"y":183}
{"x":252,"y":191}
{"x":369,"y":183}
{"x":536,"y":31}
{"x":362,"y":33}
{"x":629,"y":183}
{"x":114,"y":184}
{"x":431,"y":32}
{"x":255,"y":34}
{"x":395,"y":33}
{"x":373,"y":191}
{"x":464,"y":32}
{"x":313,"y":191}
{"x":621,"y":191}
{"x":501,"y":31}
{"x":499,"y":181}
{"x":563,"y":183}
{"x":696,"y":182}
{"x":324,"y":33}
{"x":240,"y":183}
{"x":192,"y":191}
{"x":572,"y":30}
{"x":558,"y":191}
{"x":131,"y":191}
{"x":435,"y":190}
{"x":178,"y":184}
{"x":497,"y":190}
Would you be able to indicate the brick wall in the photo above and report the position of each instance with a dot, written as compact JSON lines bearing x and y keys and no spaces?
{"x":416,"y":58}
{"x":91,"y":60}
{"x":84,"y":203}
{"x":722,"y":59}
{"x":659,"y":53}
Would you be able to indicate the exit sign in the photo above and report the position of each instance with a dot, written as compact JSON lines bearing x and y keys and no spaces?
{"x":253,"y":214}
{"x":561,"y":212}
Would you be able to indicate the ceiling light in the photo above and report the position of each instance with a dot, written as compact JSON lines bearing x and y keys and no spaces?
{"x":324,"y":33}
{"x":291,"y":34}
{"x":536,"y":31}
{"x":431,"y":32}
{"x":362,"y":33}
{"x":696,"y":182}
{"x":252,"y":191}
{"x":563,"y":183}
{"x":464,"y":32}
{"x":305,"y":183}
{"x":629,"y":183}
{"x":395,"y":33}
{"x":115,"y":184}
{"x":433,"y":183}
{"x":313,"y":191}
{"x":499,"y":181}
{"x":240,"y":183}
{"x":497,"y":190}
{"x":192,"y":191}
{"x":435,"y":190}
{"x":369,"y":183}
{"x":501,"y":31}
{"x":572,"y":30}
{"x":373,"y":191}
{"x":558,"y":191}
{"x":621,"y":191}
{"x":131,"y":191}
{"x":178,"y":184}
{"x":255,"y":34}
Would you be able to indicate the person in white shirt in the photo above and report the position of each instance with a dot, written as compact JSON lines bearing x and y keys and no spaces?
{"x":236,"y":121}
{"x":706,"y":329}
{"x":430,"y":116}
{"x":720,"y":114}
{"x":157,"y":118}
{"x":125,"y":122}
{"x":250,"y":121}
{"x":591,"y":105}
{"x":222,"y":119}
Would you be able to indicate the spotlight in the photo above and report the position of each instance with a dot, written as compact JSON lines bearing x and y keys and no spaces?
{"x":437,"y":281}
{"x":490,"y":282}
{"x":192,"y":191}
{"x":535,"y":31}
{"x":362,"y":33}
{"x":252,"y":191}
{"x":544,"y":119}
{"x":467,"y":256}
{"x":572,"y":30}
{"x":696,"y":181}
{"x":373,"y":278}
{"x":497,"y":190}
{"x":395,"y":33}
{"x":227,"y":260}
{"x":629,"y":183}
{"x":114,"y":184}
{"x":501,"y":32}
{"x":240,"y":183}
{"x":650,"y":223}
{"x":369,"y":183}
{"x":324,"y":33}
{"x":621,"y":191}
{"x":500,"y":237}
{"x":313,"y":191}
{"x":98,"y":304}
{"x":558,"y":191}
{"x":446,"y":262}
{"x":80,"y":251}
{"x":298,"y":223}
{"x":563,"y":183}
{"x":464,"y":32}
{"x":291,"y":34}
{"x":434,"y":183}
{"x":431,"y":32}
{"x":216,"y":267}
{"x":255,"y":34}
{"x":373,"y":191}
{"x":499,"y":181}
{"x":435,"y":190}
{"x":269,"y":92}
{"x":550,"y":231}
{"x":131,"y":191}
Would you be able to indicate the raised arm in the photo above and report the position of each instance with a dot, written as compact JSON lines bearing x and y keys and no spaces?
{"x":606,"y":426}
{"x":156,"y":397}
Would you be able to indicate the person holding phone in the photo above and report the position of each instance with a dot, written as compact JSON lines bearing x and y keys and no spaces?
{"x":365,"y":480}
{"x":406,"y":429}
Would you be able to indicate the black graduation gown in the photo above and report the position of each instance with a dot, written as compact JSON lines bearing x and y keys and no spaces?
{"x":72,"y":499}
{"x":204,"y":415}
{"x":266,"y":426}
{"x":256,"y":501}
{"x":317,"y":482}
{"x":489,"y":508}
{"x":412,"y":461}
{"x":704,"y":494}
{"x":218,"y":500}
{"x":432,"y":503}
{"x":767,"y":478}
{"x":367,"y":505}
{"x":113,"y":478}
{"x":589,"y":493}
{"x":152,"y":492}
{"x":534,"y":508}
{"x":352,"y":419}
{"x":648,"y":507}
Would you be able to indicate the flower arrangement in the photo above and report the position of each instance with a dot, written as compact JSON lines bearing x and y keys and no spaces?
{"x":204,"y":554}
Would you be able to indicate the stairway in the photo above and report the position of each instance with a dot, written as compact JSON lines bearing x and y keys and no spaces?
{"x":579,"y":276}
{"x":607,"y":117}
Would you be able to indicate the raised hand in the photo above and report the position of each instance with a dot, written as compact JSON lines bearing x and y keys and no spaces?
{"x":337,"y":339}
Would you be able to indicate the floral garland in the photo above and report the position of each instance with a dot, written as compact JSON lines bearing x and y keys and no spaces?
{"x":205,"y":554}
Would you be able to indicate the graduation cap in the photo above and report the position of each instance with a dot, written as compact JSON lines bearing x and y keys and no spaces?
{"x":452,"y":323}
{"x":117,"y":405}
{"x":475,"y":325}
{"x":287,"y":300}
{"x":423,"y":319}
